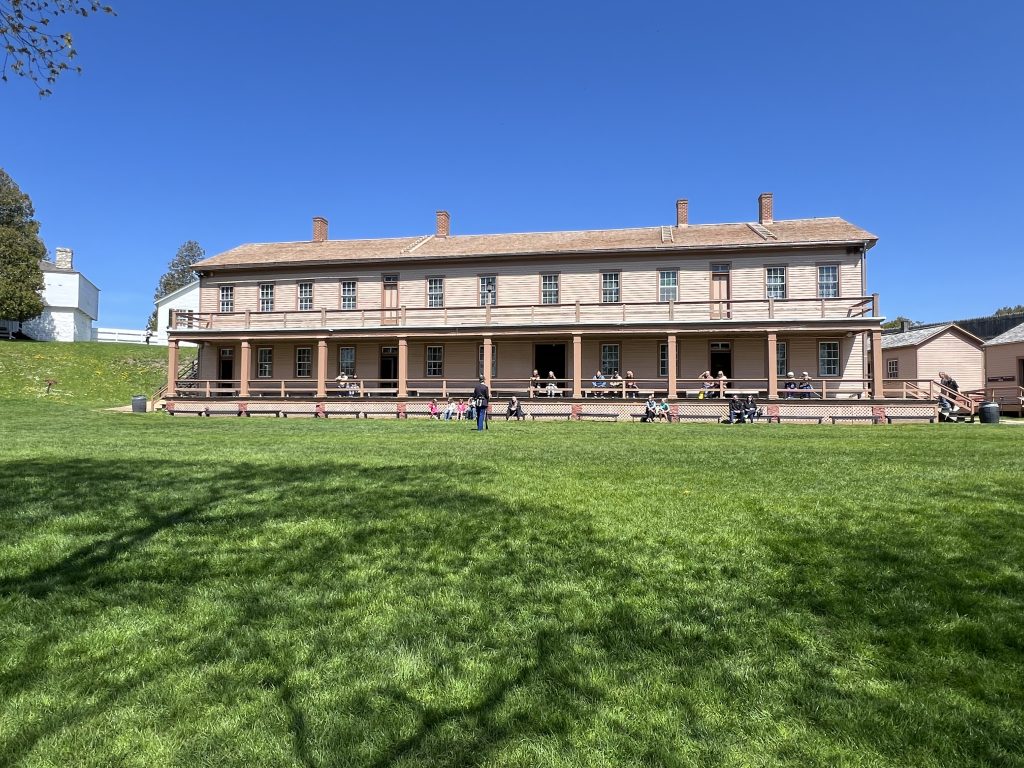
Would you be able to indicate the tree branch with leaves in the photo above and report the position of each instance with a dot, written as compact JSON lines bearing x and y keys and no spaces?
{"x":32,"y":48}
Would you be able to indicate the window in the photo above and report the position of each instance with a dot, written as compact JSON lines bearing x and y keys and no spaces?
{"x":347,"y":361}
{"x":781,"y":358}
{"x":828,"y":282}
{"x":610,"y":287}
{"x":549,"y":289}
{"x":435,"y":361}
{"x":266,"y":297}
{"x":828,"y":358}
{"x":264,"y":363}
{"x":305,"y":297}
{"x":775,"y":282}
{"x":227,"y":298}
{"x":348,"y":294}
{"x":488,"y":291}
{"x":663,"y":359}
{"x":609,"y":359}
{"x":892,"y":369}
{"x":303,"y":362}
{"x":494,"y":361}
{"x":435,"y":292}
{"x":667,"y":285}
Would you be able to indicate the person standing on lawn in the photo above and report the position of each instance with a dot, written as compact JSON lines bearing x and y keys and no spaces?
{"x":482,"y":396}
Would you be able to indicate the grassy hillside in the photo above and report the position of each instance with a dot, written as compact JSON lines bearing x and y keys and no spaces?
{"x":86,"y":373}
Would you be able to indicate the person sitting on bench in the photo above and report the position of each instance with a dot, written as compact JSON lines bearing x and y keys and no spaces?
{"x":631,"y":386}
{"x":663,"y":410}
{"x":707,"y":383}
{"x":750,"y":409}
{"x":807,"y":384}
{"x":790,"y":385}
{"x":650,"y":409}
{"x":736,"y":412}
{"x":515,"y":410}
{"x":435,"y":412}
{"x":450,"y":409}
{"x":552,"y":387}
{"x":598,"y":382}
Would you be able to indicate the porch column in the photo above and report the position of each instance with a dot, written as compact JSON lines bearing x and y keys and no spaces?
{"x":172,"y":367}
{"x":321,"y":368}
{"x":876,"y":363}
{"x":673,"y":366}
{"x":488,"y":353}
{"x":773,"y":364}
{"x":577,"y":365}
{"x":403,"y":368}
{"x":243,"y":373}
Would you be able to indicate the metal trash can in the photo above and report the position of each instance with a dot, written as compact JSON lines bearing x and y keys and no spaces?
{"x":988,"y":413}
{"x":139,"y":404}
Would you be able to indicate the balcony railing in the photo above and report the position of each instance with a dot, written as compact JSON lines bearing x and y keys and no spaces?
{"x":532,"y":314}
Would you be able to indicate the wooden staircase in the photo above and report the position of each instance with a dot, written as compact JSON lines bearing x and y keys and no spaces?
{"x":189,"y":370}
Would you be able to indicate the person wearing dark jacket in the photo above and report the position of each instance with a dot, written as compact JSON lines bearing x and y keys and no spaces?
{"x":736,"y":410}
{"x":946,"y":404}
{"x":482,"y":396}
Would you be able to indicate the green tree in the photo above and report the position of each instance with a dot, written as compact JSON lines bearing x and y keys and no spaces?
{"x":31,"y":48}
{"x":897,"y":322}
{"x":21,"y":250}
{"x":1010,"y":310}
{"x":179,"y":274}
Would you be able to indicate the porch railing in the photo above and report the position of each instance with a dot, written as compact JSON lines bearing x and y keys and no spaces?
{"x":579,"y":313}
{"x":929,"y":389}
{"x":457,"y":388}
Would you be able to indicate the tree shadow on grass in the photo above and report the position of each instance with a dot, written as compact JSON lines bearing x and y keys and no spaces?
{"x":907,"y":621}
{"x":395,"y":615}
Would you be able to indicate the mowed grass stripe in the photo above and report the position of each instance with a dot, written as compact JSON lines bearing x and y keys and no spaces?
{"x":290,"y":592}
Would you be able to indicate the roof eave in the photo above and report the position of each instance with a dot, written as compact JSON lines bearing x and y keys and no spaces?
{"x":788,"y":245}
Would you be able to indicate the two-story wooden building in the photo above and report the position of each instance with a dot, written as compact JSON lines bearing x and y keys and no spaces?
{"x":409,"y":317}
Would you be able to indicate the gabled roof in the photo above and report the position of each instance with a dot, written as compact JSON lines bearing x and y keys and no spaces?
{"x":1010,"y":337}
{"x":193,"y":286}
{"x":797,"y":232}
{"x":918,"y":336}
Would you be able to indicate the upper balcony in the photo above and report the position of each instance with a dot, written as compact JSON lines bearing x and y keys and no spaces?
{"x":578,"y":314}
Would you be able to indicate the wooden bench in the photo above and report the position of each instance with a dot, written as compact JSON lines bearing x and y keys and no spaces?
{"x":641,"y":416}
{"x":700,"y":417}
{"x":801,"y":417}
{"x":872,"y":418}
{"x":598,"y":415}
{"x":550,"y":414}
{"x":344,"y":412}
{"x":901,"y":417}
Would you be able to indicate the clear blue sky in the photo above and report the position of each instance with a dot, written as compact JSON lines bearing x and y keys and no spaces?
{"x":233,"y":122}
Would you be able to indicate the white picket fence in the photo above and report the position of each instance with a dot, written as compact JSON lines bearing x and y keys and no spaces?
{"x":126,"y":336}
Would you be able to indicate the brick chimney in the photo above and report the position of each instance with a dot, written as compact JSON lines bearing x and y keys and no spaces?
{"x":319,"y":229}
{"x":764,"y":208}
{"x":64,"y":258}
{"x":682,"y":213}
{"x":444,"y":224}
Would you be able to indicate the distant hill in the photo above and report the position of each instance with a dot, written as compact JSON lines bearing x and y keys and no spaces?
{"x":85,"y":373}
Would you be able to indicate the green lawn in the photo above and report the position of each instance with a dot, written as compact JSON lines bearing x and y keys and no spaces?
{"x":262,"y":592}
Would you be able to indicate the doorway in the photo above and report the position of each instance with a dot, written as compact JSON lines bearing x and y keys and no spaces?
{"x":225,"y":367}
{"x":389,"y":301}
{"x":720,"y":309}
{"x":388,"y":366}
{"x":720,"y":358}
{"x":550,"y":357}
